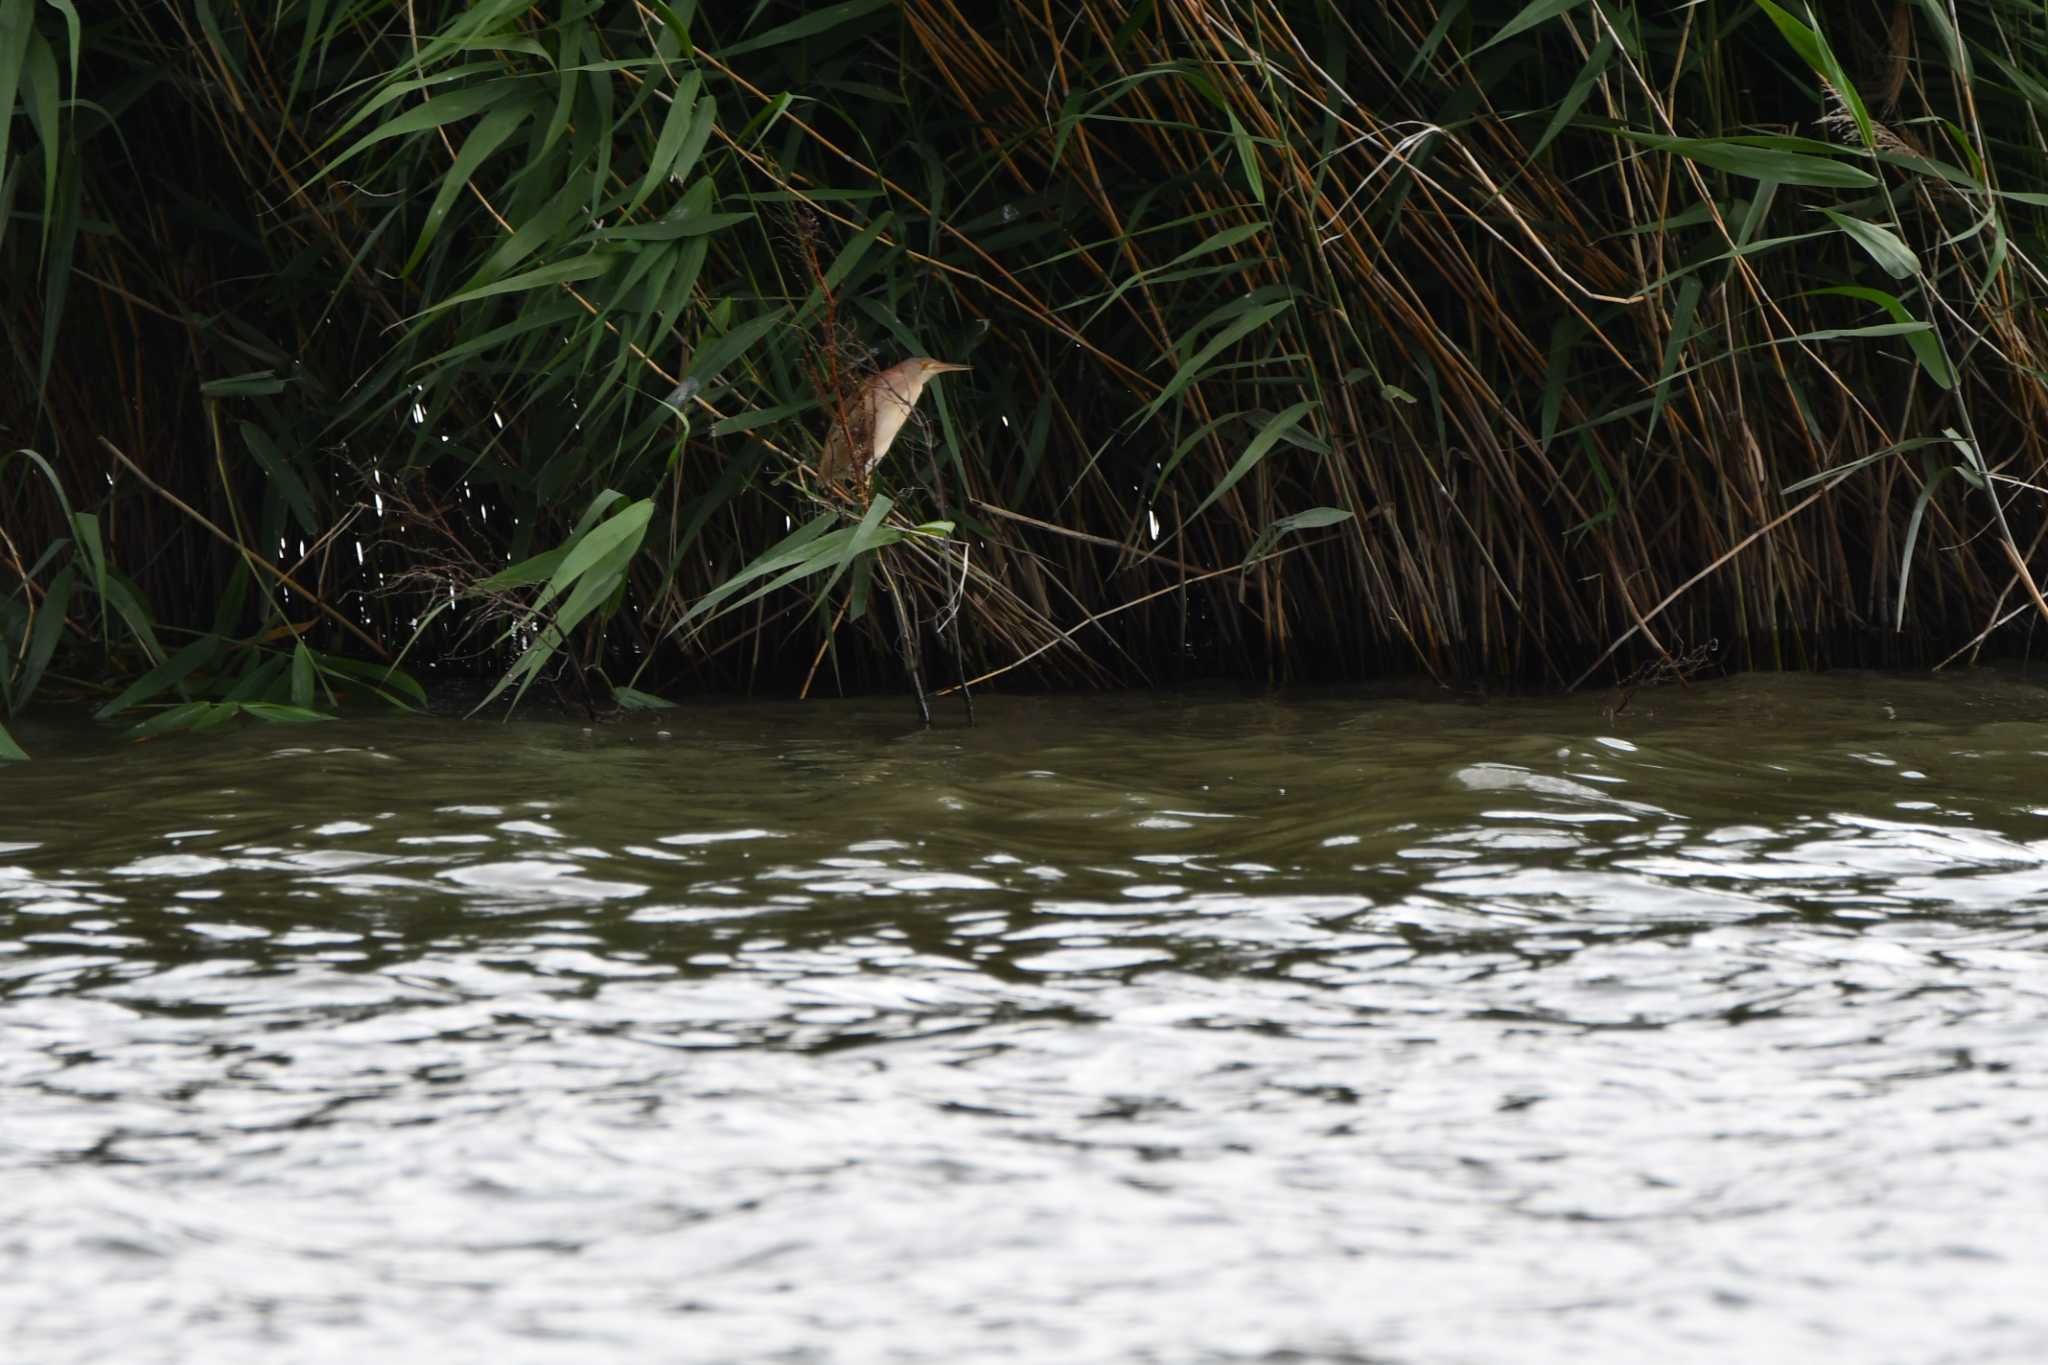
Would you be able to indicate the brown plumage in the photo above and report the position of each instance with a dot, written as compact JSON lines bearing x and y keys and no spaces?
{"x":862,"y":435}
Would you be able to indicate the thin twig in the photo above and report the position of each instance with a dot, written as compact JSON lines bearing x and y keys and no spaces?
{"x":1087,"y":538}
{"x":250,"y":555}
{"x":1094,"y":617}
{"x":823,"y":645}
{"x":898,"y":600}
{"x":1705,"y":573}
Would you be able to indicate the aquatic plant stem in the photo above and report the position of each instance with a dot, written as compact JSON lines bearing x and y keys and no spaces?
{"x":1094,"y":617}
{"x":906,"y":634}
{"x":248,"y":554}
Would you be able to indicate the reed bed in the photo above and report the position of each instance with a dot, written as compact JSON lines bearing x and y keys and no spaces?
{"x":1550,"y":343}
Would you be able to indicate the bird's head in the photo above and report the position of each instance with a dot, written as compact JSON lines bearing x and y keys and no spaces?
{"x":905,"y":380}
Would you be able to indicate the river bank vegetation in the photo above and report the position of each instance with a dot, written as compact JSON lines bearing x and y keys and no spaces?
{"x":1542,"y":342}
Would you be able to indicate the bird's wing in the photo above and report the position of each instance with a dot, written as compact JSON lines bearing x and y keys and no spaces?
{"x":846,"y":443}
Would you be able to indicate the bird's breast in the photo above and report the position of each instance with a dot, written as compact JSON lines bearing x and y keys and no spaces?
{"x":889,"y":419}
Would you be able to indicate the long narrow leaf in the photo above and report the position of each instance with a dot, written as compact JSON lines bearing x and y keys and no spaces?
{"x":1268,"y":437}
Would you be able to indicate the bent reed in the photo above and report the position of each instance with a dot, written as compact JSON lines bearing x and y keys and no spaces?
{"x":1544,"y":342}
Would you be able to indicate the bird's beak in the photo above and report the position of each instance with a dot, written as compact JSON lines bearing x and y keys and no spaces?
{"x":946,"y":367}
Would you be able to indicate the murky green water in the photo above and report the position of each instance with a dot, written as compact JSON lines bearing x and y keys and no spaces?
{"x":1116,"y":1029}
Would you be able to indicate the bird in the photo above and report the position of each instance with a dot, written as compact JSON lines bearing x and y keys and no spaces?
{"x":865,"y":428}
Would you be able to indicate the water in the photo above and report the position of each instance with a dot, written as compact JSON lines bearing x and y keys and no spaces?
{"x":1116,"y":1029}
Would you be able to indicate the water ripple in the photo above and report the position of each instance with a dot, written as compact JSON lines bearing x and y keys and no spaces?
{"x":1125,"y":1030}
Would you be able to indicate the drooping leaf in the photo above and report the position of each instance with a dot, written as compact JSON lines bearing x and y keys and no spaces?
{"x":169,"y":674}
{"x":1912,"y":539}
{"x":683,"y":134}
{"x":302,"y":675}
{"x":1246,"y":321}
{"x":634,"y":700}
{"x":42,"y":640}
{"x":1268,"y":437}
{"x":489,"y":135}
{"x":1534,"y":13}
{"x":1575,"y":97}
{"x":1812,"y":45}
{"x":1919,"y":335}
{"x":822,"y":19}
{"x":560,"y":272}
{"x":1881,"y":242}
{"x":1682,"y":318}
{"x":1759,"y":160}
{"x":1312,"y":519}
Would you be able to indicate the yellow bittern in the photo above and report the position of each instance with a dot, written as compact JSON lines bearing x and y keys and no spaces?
{"x":862,"y":434}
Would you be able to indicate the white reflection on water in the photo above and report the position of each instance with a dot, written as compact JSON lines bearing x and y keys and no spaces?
{"x":1652,"y":1047}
